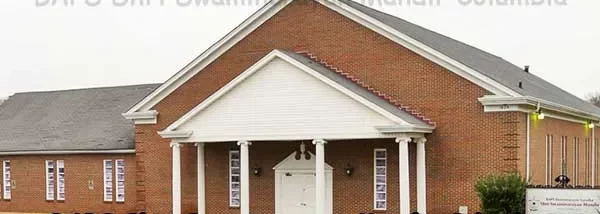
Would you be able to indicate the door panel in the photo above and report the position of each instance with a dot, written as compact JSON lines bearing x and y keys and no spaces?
{"x":298,"y":193}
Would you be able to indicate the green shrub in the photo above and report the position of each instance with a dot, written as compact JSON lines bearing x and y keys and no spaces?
{"x":502,"y":194}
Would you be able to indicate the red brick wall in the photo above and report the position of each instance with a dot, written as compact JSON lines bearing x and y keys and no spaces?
{"x":467,"y":143}
{"x":559,"y":128}
{"x":29,"y":173}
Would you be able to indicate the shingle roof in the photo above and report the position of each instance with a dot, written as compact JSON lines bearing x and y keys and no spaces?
{"x":490,"y":65}
{"x":82,"y":119}
{"x":355,"y":86}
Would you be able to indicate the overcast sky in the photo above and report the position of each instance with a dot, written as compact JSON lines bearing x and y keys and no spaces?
{"x":56,"y":47}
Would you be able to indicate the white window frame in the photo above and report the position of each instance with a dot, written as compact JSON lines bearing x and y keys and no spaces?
{"x":60,"y":180}
{"x":50,"y":176}
{"x":564,"y":142}
{"x":588,"y":161}
{"x":575,"y":161}
{"x":120,"y":180}
{"x":6,"y":183}
{"x":108,"y":189}
{"x":375,"y":182}
{"x":549,"y":150}
{"x":231,"y":182}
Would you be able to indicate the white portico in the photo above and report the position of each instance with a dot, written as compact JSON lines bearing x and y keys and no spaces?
{"x":289,"y":97}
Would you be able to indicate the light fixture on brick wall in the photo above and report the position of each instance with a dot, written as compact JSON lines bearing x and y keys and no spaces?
{"x":257,"y":171}
{"x":540,"y":115}
{"x":591,"y":125}
{"x":349,"y":170}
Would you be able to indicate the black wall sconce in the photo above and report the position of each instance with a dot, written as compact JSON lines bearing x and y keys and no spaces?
{"x":349,"y":170}
{"x":257,"y":171}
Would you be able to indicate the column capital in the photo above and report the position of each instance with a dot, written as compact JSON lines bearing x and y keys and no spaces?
{"x":319,"y":141}
{"x":198,"y":144}
{"x":403,"y":140}
{"x":244,"y":143}
{"x":175,"y":144}
{"x":422,"y":140}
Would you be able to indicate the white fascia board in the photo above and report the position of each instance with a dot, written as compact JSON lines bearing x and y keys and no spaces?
{"x":143,"y":117}
{"x":69,"y":152}
{"x":210,"y":55}
{"x":505,"y":103}
{"x":404,"y":129}
{"x":291,"y":137}
{"x":175,"y":134}
{"x":256,"y":67}
{"x":274,"y":6}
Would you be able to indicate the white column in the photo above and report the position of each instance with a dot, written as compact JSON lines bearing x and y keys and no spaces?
{"x":421,"y":177}
{"x":404,"y":181}
{"x":176,"y":182}
{"x":244,"y":177}
{"x":201,"y":183}
{"x":320,"y":186}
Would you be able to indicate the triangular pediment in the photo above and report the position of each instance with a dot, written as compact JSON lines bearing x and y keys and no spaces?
{"x":282,"y":97}
{"x":301,"y":162}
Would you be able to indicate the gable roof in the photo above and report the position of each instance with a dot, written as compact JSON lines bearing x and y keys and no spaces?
{"x":490,"y":65}
{"x":71,"y":120}
{"x":379,"y":100}
{"x":404,"y":122}
{"x":490,"y":72}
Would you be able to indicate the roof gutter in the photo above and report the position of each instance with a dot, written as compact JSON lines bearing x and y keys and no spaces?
{"x":69,"y":152}
{"x":505,"y":103}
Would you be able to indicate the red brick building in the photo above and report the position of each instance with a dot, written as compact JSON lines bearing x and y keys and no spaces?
{"x":306,"y":107}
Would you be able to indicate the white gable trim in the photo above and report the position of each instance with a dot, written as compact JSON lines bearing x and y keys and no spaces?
{"x":287,"y":164}
{"x":210,"y":55}
{"x":173,"y":132}
{"x":275,"y":6}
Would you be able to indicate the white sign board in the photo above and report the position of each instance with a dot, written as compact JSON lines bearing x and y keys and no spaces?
{"x":563,"y":201}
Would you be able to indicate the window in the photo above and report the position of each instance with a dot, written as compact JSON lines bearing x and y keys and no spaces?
{"x":55,"y":180}
{"x":576,"y":154}
{"x":588,"y":161}
{"x":119,"y":176}
{"x":234,"y":178}
{"x":49,"y":180}
{"x":108,"y":183}
{"x":380,"y":180}
{"x":563,"y":159}
{"x":61,"y":180}
{"x":6,"y":179}
{"x":549,"y":139}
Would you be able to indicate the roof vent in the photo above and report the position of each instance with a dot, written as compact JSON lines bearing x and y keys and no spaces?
{"x":526,"y":69}
{"x":520,"y":84}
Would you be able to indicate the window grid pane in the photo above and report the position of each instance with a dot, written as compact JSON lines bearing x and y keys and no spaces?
{"x":234,"y":179}
{"x":6,"y":179}
{"x":380,"y":179}
{"x":120,"y":182}
{"x":49,"y":180}
{"x":60,"y":187}
{"x":108,"y":174}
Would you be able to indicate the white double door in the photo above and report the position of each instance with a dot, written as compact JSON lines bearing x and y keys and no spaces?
{"x":296,"y":194}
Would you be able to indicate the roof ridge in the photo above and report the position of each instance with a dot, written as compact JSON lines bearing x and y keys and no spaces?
{"x":362,"y":84}
{"x":82,"y":89}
